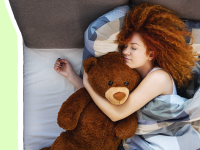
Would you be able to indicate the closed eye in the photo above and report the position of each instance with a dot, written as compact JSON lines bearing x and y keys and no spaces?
{"x":134,"y":48}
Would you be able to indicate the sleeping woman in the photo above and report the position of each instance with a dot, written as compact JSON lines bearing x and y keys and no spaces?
{"x":153,"y":41}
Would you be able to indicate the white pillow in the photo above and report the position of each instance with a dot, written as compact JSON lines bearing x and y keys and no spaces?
{"x":44,"y":92}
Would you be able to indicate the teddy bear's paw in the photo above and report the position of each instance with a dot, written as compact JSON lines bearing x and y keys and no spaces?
{"x":127,"y":127}
{"x":71,"y":109}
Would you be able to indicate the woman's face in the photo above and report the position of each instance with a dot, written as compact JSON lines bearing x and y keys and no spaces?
{"x":134,"y":52}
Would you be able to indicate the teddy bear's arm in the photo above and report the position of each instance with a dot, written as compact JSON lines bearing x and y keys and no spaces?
{"x":127,"y":127}
{"x":71,"y":109}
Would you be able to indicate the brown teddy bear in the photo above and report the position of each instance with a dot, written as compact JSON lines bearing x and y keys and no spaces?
{"x":87,"y":127}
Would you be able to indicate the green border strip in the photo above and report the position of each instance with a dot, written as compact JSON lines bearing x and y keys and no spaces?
{"x":11,"y":80}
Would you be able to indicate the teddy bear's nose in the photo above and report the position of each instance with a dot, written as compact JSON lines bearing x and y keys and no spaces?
{"x":119,"y":96}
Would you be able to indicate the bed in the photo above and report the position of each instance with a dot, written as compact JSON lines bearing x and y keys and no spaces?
{"x":55,"y":29}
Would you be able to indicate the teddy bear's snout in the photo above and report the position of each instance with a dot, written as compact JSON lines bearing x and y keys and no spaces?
{"x":119,"y":96}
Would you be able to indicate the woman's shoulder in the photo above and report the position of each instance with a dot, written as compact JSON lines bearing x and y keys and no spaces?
{"x":159,"y":73}
{"x":156,"y":83}
{"x":162,"y":77}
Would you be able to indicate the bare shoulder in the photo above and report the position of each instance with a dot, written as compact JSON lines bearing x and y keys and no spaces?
{"x":162,"y":79}
{"x":160,"y":75}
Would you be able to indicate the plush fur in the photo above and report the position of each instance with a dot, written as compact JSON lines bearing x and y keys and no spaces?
{"x":87,"y":127}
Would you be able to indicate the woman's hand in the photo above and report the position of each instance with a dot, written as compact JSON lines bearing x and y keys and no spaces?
{"x":64,"y":68}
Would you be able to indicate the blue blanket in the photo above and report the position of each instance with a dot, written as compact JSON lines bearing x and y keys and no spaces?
{"x":164,"y":124}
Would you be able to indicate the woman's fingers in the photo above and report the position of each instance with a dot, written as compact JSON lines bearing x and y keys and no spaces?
{"x":59,"y":62}
{"x":57,"y":69}
{"x":57,"y":65}
{"x":63,"y":61}
{"x":60,"y":65}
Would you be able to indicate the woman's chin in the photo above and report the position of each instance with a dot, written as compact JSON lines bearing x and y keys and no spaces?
{"x":128,"y":64}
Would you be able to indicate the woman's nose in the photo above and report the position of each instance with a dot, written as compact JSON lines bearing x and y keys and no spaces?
{"x":126,"y":51}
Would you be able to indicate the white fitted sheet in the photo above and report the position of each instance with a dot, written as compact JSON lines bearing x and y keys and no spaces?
{"x":44,"y":90}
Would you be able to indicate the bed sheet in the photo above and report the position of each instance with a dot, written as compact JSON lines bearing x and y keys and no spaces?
{"x":44,"y":92}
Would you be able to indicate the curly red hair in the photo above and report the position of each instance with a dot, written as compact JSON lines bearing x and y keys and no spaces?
{"x":164,"y":34}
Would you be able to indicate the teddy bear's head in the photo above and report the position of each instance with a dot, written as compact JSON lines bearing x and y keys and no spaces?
{"x":110,"y":77}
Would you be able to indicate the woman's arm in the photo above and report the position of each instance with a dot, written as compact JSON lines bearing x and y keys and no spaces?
{"x":63,"y":67}
{"x":76,"y":80}
{"x":156,"y":83}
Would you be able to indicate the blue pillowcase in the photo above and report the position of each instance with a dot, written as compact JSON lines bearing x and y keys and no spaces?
{"x":101,"y":34}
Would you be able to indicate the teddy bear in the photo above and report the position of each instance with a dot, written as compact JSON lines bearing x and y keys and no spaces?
{"x":87,"y":127}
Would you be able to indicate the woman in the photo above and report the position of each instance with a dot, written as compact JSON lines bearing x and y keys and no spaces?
{"x":153,"y":41}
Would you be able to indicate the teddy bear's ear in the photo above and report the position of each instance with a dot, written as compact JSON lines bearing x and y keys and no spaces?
{"x":88,"y":63}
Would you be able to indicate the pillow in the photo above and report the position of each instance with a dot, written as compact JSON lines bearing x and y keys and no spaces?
{"x":101,"y":34}
{"x":44,"y":91}
{"x":194,"y":27}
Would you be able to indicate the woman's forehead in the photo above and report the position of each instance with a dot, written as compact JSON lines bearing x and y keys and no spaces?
{"x":136,"y":39}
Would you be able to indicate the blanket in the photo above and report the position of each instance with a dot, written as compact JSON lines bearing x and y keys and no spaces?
{"x":165,"y":124}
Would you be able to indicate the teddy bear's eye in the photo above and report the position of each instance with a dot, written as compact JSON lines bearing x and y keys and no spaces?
{"x":110,"y":83}
{"x":126,"y":83}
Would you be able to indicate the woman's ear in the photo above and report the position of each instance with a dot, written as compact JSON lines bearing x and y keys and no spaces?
{"x":88,"y":63}
{"x":151,"y":55}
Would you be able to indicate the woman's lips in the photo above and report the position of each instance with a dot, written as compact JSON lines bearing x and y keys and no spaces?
{"x":126,"y":59}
